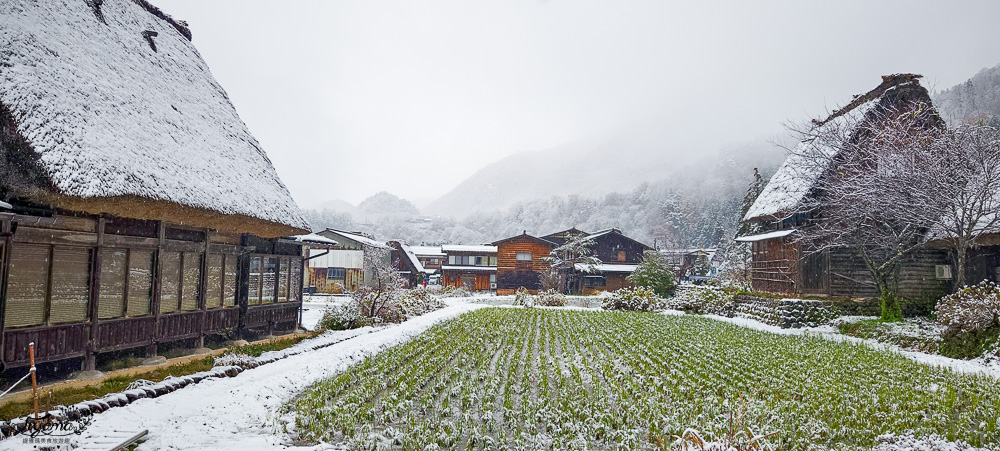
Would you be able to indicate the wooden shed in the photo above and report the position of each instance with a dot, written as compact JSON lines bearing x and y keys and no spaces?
{"x":137,"y":207}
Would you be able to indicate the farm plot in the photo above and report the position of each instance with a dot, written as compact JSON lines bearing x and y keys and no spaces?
{"x":526,"y":378}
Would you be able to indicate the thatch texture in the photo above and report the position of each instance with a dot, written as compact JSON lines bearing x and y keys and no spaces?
{"x":100,"y":121}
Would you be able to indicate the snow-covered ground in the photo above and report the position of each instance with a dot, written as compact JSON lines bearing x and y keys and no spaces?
{"x":240,"y":413}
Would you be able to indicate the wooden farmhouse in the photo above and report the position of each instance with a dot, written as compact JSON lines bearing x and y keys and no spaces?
{"x":137,"y":209}
{"x":520,"y":261}
{"x":619,"y":254}
{"x":340,"y":267}
{"x":471,"y":266}
{"x":520,"y":264}
{"x":780,"y":264}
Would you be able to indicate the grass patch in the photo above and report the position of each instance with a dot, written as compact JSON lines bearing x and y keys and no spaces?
{"x":532,"y":378}
{"x":919,"y":335}
{"x":68,"y":396}
{"x":276,"y":344}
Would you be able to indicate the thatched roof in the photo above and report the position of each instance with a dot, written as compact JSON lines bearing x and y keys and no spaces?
{"x":793,"y":182}
{"x":107,"y":107}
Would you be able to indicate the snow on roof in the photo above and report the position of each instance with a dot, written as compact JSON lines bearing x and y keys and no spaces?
{"x":108,"y":115}
{"x":608,"y":268}
{"x":468,"y":268}
{"x":791,"y":185}
{"x":602,"y":233}
{"x":413,"y":258}
{"x":765,"y":236}
{"x":469,"y":248}
{"x":358,"y":238}
{"x":5,"y":205}
{"x":313,"y":238}
{"x":427,"y":251}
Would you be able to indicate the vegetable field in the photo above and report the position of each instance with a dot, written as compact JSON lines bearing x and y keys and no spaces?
{"x":502,"y":378}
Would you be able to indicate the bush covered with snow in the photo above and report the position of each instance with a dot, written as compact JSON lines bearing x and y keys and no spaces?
{"x":704,"y":300}
{"x":635,"y":299}
{"x":973,"y":308}
{"x":524,"y":297}
{"x":449,"y":292}
{"x":343,"y":317}
{"x":550,"y":298}
{"x":416,"y":302}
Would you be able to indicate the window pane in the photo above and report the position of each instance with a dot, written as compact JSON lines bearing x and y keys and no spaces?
{"x":524,"y":256}
{"x":230,"y":283}
{"x":213,"y":290}
{"x":283,"y":281}
{"x":170,"y":275}
{"x":451,"y":259}
{"x":111,"y":295}
{"x":192,"y":281}
{"x":493,"y":261}
{"x":254,"y":291}
{"x":270,"y":274}
{"x":296,"y":280}
{"x":70,"y":285}
{"x":140,"y":282}
{"x":27,"y":285}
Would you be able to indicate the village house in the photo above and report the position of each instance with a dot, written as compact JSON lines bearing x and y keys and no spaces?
{"x":137,"y":209}
{"x":619,"y":254}
{"x":780,"y":263}
{"x":407,"y":263}
{"x":520,"y":264}
{"x":340,"y":267}
{"x":430,"y":257}
{"x":521,"y":261}
{"x":473,"y":267}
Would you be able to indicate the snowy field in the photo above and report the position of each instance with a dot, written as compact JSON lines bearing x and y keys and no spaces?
{"x":549,"y":379}
{"x":313,"y":307}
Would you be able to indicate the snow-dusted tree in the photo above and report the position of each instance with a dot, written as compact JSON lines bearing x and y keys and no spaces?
{"x":375,"y":298}
{"x":870,"y":169}
{"x":702,"y":264}
{"x":574,"y":256}
{"x":655,"y":273}
{"x":961,"y":201}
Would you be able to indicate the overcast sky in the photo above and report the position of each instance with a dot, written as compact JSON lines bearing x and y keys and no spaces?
{"x":353,"y":97}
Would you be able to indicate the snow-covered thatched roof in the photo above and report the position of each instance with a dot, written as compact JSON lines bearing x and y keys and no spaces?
{"x":114,"y":111}
{"x":794,"y":180}
{"x":480,"y":248}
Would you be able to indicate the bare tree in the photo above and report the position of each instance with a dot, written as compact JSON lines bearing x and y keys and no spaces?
{"x":574,"y":255}
{"x":868,"y":183}
{"x":961,"y":201}
{"x":375,"y":297}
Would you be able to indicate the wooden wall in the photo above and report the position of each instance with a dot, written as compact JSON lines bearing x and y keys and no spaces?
{"x":106,"y":310}
{"x":775,"y":266}
{"x":609,"y":246}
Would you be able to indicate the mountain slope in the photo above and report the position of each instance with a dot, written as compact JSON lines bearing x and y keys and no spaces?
{"x":976,"y":99}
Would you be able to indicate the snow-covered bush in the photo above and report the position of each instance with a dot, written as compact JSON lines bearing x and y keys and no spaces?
{"x":550,"y":298}
{"x":654,"y":272}
{"x":416,"y":302}
{"x":973,"y":308}
{"x":343,"y":317}
{"x":237,"y":359}
{"x":451,"y":292}
{"x":636,"y":299}
{"x":523,"y":297}
{"x":704,"y":300}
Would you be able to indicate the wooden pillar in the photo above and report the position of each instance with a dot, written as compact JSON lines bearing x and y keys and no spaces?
{"x":155,"y":307}
{"x":7,"y":228}
{"x":202,"y":295}
{"x":90,"y":360}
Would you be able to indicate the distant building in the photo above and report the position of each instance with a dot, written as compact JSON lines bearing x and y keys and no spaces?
{"x":471,"y":266}
{"x":430,"y":257}
{"x":520,"y":264}
{"x":407,"y":263}
{"x":341,"y":266}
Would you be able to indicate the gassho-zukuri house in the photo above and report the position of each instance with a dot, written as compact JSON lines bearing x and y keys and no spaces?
{"x":780,"y":264}
{"x":137,"y":209}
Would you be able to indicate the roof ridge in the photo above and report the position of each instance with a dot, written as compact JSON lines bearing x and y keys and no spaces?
{"x":180,"y":25}
{"x":888,"y":82}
